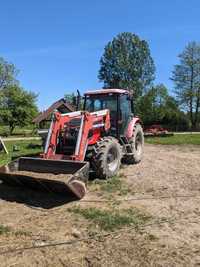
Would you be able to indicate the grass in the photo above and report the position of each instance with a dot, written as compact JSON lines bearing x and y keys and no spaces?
{"x":24,"y":148}
{"x":177,"y":139}
{"x":110,"y":220}
{"x":22,"y":233}
{"x":18,"y":131}
{"x":152,"y":237}
{"x":112,"y":185}
{"x":4,"y":229}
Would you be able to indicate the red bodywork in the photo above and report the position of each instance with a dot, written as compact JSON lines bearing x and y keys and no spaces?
{"x":130,"y":129}
{"x":94,"y":122}
{"x":91,"y":126}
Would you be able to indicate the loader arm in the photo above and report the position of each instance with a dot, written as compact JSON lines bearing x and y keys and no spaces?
{"x":95,"y":121}
{"x":64,"y":174}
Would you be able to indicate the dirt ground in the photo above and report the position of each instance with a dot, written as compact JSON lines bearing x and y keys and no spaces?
{"x":165,"y":185}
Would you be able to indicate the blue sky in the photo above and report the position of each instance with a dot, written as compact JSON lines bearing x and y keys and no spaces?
{"x":57,"y":45}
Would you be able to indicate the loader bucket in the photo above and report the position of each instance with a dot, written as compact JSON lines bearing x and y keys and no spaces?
{"x":56,"y":176}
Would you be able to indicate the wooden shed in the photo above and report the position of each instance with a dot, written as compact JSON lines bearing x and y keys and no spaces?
{"x":44,"y":117}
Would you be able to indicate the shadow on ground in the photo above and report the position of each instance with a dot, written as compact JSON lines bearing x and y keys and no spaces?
{"x":33,"y":198}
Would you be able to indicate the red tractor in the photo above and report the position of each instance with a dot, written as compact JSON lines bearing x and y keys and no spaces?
{"x":94,"y":140}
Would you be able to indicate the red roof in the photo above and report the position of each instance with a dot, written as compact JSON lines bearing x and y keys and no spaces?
{"x":107,"y":91}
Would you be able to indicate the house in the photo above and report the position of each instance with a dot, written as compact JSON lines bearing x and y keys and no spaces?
{"x":44,"y":117}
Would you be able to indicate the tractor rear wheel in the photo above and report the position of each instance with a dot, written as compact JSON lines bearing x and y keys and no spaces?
{"x":137,"y":143}
{"x":106,"y":158}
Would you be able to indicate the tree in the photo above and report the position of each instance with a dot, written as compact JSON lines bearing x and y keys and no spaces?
{"x":17,"y":106}
{"x":186,"y":77}
{"x":8,"y":73}
{"x":152,"y":105}
{"x":127,"y":63}
{"x":71,"y":98}
{"x":157,"y":106}
{"x":75,"y":99}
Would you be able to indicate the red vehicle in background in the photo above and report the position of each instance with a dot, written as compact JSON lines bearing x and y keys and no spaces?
{"x":155,"y":130}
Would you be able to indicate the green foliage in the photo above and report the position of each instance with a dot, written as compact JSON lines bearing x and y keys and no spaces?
{"x":17,"y":107}
{"x":112,"y":185}
{"x":24,"y":149}
{"x":8,"y":73}
{"x":177,"y":139}
{"x":28,"y":131}
{"x":110,"y":220}
{"x":4,"y":229}
{"x":152,"y":106}
{"x":158,"y":107}
{"x":127,"y":63}
{"x":20,"y":233}
{"x":186,"y":77}
{"x":71,"y":98}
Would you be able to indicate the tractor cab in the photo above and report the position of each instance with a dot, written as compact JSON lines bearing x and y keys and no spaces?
{"x":117,"y":101}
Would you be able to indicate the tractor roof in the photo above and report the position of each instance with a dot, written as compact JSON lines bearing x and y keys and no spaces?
{"x":107,"y":91}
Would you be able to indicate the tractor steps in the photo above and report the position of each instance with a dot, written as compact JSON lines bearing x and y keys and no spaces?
{"x":126,"y":145}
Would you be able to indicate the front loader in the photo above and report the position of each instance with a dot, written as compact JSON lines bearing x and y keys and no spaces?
{"x":94,"y":140}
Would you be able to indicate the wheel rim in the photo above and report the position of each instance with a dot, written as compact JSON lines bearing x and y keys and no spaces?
{"x":138,"y":144}
{"x":112,"y":159}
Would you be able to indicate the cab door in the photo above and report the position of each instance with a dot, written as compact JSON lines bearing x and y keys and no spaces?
{"x":125,"y":113}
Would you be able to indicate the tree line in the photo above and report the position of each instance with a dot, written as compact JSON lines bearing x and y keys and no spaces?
{"x":126,"y":63}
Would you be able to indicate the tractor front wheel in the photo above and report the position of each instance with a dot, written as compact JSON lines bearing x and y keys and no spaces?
{"x":106,"y":159}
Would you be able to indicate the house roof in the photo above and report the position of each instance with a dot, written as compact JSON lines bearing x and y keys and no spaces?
{"x":61,"y":105}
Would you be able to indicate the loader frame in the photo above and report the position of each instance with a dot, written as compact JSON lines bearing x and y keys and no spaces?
{"x":97,"y":122}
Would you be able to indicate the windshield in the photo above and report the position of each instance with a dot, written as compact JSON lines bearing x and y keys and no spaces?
{"x":99,"y":102}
